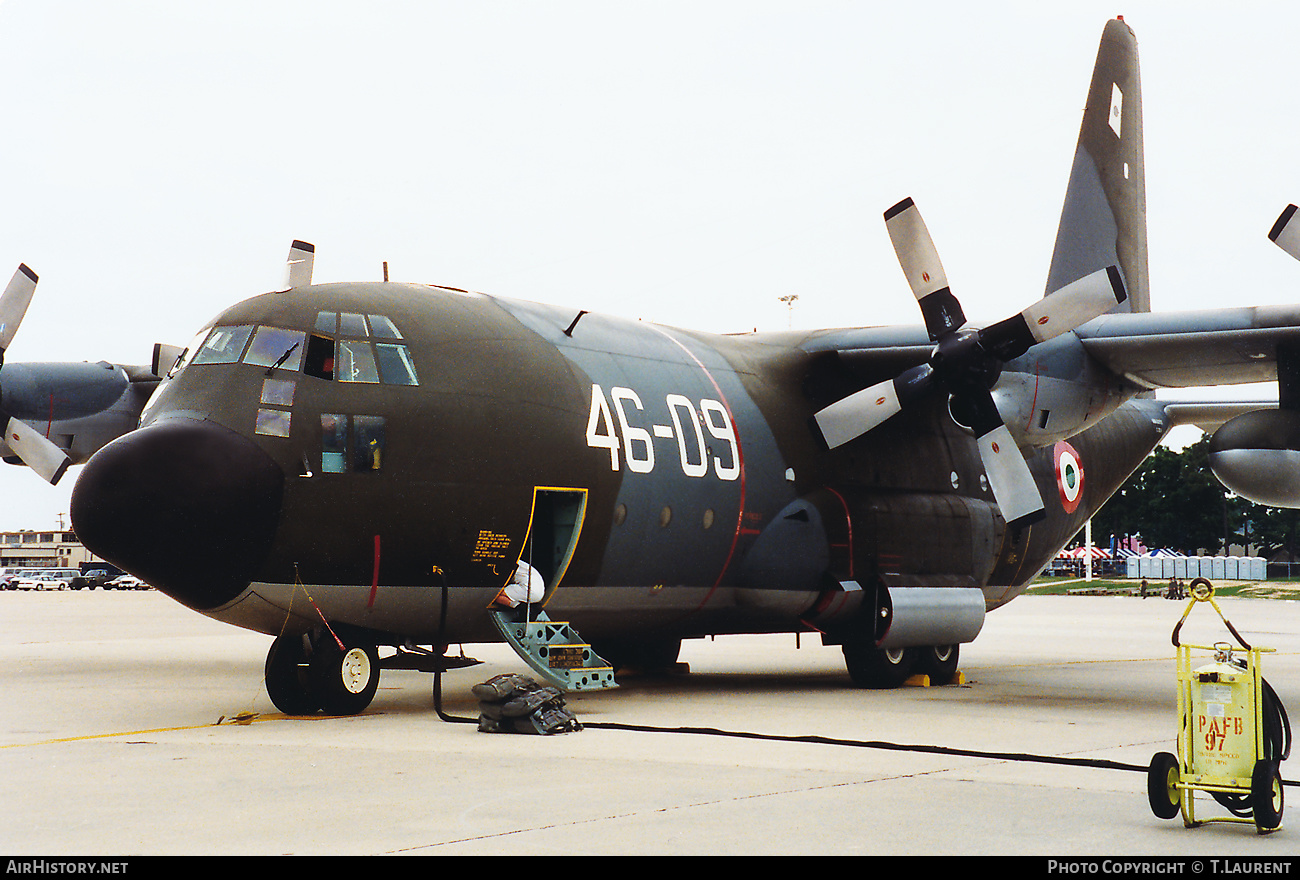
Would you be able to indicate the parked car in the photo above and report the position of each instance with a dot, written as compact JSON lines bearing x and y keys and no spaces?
{"x":42,"y":582}
{"x":127,"y":582}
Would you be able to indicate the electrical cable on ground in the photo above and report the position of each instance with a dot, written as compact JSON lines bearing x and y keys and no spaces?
{"x":813,"y":739}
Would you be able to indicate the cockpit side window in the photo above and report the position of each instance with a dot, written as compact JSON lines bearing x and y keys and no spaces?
{"x":356,"y":362}
{"x":320,"y":357}
{"x":395,"y":366}
{"x":359,"y":348}
{"x":224,"y":345}
{"x":274,"y":347}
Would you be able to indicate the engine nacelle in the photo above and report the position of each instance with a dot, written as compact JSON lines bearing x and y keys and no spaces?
{"x":1257,"y":455}
{"x":932,"y":616}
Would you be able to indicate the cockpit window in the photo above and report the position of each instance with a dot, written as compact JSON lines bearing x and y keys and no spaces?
{"x":395,"y":366}
{"x":224,"y":345}
{"x":382,"y":328}
{"x":363,"y":358}
{"x":356,"y":362}
{"x":274,"y":347}
{"x":352,"y":325}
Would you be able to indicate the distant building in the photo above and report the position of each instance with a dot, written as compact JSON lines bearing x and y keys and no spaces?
{"x":59,"y":549}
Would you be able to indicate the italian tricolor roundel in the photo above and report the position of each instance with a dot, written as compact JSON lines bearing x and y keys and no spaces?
{"x":1069,"y":476}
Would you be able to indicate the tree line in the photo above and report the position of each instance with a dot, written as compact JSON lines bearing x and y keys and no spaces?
{"x":1174,"y":501}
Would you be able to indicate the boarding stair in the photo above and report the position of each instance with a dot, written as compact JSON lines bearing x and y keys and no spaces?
{"x":553,"y":649}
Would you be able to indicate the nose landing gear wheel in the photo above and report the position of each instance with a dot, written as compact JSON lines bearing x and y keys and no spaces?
{"x":345,"y":680}
{"x":288,"y":677}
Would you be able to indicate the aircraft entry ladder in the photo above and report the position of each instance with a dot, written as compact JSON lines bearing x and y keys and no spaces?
{"x":554,"y":651}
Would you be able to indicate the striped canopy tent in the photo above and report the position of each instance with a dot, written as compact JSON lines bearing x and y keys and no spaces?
{"x":1084,"y":552}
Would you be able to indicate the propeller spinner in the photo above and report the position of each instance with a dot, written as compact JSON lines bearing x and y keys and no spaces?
{"x":967,"y":362}
{"x":34,"y":448}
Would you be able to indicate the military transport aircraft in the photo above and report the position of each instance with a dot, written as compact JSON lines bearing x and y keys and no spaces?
{"x":350,"y":466}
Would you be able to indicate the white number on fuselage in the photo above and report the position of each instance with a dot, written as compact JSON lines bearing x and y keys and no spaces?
{"x":637,"y":445}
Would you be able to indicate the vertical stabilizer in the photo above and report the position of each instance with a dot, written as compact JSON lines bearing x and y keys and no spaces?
{"x":1104,"y":220}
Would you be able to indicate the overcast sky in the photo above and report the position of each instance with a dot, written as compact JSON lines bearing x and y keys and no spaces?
{"x":682,"y":162}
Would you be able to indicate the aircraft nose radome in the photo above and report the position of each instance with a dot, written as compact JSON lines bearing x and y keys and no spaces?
{"x":187,"y":506}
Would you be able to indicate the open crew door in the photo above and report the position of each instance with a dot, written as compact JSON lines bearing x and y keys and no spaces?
{"x":553,"y":532}
{"x":551,"y":648}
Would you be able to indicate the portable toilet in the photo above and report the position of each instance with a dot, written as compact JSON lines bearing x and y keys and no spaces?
{"x":1216,"y":568}
{"x":1131,"y":567}
{"x":1166,"y":567}
{"x":1232,"y":568}
{"x":1258,"y":568}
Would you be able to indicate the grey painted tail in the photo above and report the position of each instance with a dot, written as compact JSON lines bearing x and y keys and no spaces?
{"x":1104,"y":220}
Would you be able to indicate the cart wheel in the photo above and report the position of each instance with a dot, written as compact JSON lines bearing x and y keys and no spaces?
{"x":1162,"y":786}
{"x":1266,"y":796}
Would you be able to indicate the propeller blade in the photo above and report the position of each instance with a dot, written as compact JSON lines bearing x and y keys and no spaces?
{"x":1286,"y":234}
{"x":13,"y":304}
{"x":302,"y":257}
{"x":920,"y":261}
{"x":855,"y":415}
{"x":1074,"y":304}
{"x":36,"y":450}
{"x":1013,"y":485}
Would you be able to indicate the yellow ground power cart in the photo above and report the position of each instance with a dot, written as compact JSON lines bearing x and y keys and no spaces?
{"x":1233,"y":733}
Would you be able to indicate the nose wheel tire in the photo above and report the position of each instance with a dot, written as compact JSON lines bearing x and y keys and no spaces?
{"x":345,"y":680}
{"x":288,"y":677}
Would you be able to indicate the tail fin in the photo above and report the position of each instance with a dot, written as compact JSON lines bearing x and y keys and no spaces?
{"x":1104,"y":220}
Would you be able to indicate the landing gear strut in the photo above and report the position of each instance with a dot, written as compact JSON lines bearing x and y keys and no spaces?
{"x":309,"y":673}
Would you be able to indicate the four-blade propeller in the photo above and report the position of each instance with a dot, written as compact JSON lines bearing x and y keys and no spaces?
{"x":967,"y":363}
{"x":34,"y":448}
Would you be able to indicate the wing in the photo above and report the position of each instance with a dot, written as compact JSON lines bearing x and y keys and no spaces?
{"x":1191,"y":349}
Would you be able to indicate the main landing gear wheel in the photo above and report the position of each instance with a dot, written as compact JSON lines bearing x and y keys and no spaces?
{"x":345,"y":680}
{"x":939,"y":662}
{"x":872,"y":667}
{"x":1162,"y":786}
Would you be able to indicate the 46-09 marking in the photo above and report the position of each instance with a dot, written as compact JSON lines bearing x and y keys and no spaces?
{"x":688,"y":425}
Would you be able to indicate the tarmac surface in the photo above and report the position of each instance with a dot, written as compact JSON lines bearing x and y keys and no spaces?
{"x":109,"y":745}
